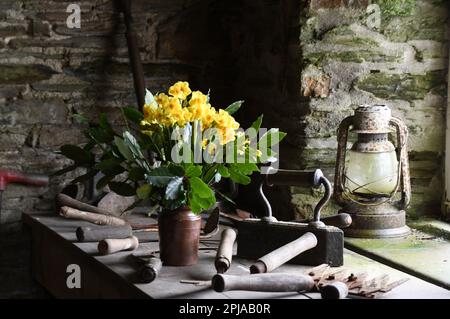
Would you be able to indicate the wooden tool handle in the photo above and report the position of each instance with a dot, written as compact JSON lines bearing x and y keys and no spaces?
{"x":97,"y":233}
{"x":225,"y":250}
{"x":110,"y":246}
{"x":283,"y":254}
{"x":98,"y":219}
{"x":65,"y":200}
{"x":342,"y":220}
{"x":150,"y":269}
{"x":263,"y":282}
{"x":334,"y":290}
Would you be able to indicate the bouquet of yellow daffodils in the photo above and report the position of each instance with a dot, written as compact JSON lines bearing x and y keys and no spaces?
{"x":180,"y":148}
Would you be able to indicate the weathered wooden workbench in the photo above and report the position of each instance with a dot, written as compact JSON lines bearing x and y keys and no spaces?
{"x":54,"y":248}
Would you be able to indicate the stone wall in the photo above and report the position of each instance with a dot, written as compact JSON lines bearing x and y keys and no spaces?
{"x":403,"y":63}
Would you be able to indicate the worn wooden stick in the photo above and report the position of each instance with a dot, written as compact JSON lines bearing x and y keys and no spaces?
{"x":334,"y":290}
{"x":263,"y":282}
{"x":283,"y":254}
{"x":150,"y":269}
{"x":225,"y":251}
{"x":111,"y":246}
{"x":65,"y":200}
{"x":97,"y":233}
{"x":98,"y":219}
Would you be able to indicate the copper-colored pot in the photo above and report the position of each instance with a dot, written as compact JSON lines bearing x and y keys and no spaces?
{"x":179,"y":235}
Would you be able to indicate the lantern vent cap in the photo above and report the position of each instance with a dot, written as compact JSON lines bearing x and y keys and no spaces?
{"x":372,"y":119}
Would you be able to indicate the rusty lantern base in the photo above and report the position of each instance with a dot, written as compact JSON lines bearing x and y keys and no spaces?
{"x":381,"y":221}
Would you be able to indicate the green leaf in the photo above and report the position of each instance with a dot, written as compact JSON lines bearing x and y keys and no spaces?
{"x":102,"y":182}
{"x":246,"y":168}
{"x":176,"y":170}
{"x":173,"y":188}
{"x":200,"y":188}
{"x":133,"y":145}
{"x":104,"y":124}
{"x":257,"y":123}
{"x":77,"y":154}
{"x":136,"y":174}
{"x":238,"y":177}
{"x":234,"y":107}
{"x":108,"y":164}
{"x":123,"y":149}
{"x":193,"y":170}
{"x":160,"y":176}
{"x":122,"y":188}
{"x":272,"y":137}
{"x":143,"y":192}
{"x":114,"y":171}
{"x":99,"y":134}
{"x":223,"y":171}
{"x":132,"y":115}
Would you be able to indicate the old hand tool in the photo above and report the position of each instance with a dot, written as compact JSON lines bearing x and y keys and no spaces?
{"x":225,"y":250}
{"x":334,"y":290}
{"x":283,"y":254}
{"x":150,"y":269}
{"x":98,"y":219}
{"x":7,"y":176}
{"x":97,"y":233}
{"x":66,"y":200}
{"x":263,"y":282}
{"x":258,"y":237}
{"x":342,"y":220}
{"x":110,"y":246}
{"x":329,"y":283}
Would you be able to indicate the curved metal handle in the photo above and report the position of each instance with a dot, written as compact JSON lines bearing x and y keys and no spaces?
{"x":308,"y":178}
{"x":402,"y":154}
{"x":342,"y":136}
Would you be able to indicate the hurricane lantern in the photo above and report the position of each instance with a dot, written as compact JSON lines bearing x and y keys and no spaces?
{"x":372,"y":178}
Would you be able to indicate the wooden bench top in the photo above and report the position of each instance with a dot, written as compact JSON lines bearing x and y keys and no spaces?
{"x":54,"y":247}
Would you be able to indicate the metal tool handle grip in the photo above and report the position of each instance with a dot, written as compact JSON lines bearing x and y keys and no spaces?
{"x":313,"y":178}
{"x":285,"y":177}
{"x":279,"y":256}
{"x":110,"y":246}
{"x":225,"y":250}
{"x":263,"y":282}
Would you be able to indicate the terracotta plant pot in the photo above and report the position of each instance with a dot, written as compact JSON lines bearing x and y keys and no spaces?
{"x":179,"y":235}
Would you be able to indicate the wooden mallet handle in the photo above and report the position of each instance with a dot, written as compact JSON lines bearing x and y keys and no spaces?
{"x":98,"y":219}
{"x":150,"y":269}
{"x":334,"y":290}
{"x":283,"y":254}
{"x":225,"y":251}
{"x":97,"y":233}
{"x":111,"y":246}
{"x":263,"y":282}
{"x":66,"y":200}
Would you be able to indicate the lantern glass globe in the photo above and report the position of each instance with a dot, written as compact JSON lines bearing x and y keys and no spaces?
{"x":371,"y":173}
